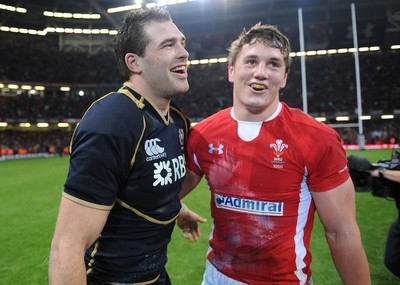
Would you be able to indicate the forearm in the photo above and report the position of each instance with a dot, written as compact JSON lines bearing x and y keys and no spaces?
{"x":349,"y":258}
{"x":393,"y":175}
{"x":189,"y":183}
{"x":66,"y":267}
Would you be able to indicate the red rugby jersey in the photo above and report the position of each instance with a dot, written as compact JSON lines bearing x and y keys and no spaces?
{"x":261,"y":202}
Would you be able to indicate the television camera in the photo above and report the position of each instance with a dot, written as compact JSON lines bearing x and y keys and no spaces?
{"x":360,"y":168}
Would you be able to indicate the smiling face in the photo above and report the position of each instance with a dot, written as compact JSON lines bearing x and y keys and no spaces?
{"x":161,"y":74}
{"x":258,"y":74}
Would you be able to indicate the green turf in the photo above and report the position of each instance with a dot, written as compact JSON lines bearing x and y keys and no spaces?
{"x":31,"y":189}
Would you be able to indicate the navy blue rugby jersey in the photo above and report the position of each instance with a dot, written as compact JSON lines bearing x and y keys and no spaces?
{"x":129,"y":159}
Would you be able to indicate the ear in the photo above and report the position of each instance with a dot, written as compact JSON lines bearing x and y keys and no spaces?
{"x":131,"y":61}
{"x":230,"y":73}
{"x":284,"y":80}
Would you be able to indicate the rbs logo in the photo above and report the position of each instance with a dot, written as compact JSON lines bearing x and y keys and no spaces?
{"x":168,"y":171}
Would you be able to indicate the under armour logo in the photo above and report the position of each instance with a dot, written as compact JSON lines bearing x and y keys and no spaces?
{"x":152,"y":148}
{"x":219,"y":148}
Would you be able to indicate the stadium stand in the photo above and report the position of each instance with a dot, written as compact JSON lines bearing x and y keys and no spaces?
{"x":330,"y":86}
{"x":330,"y":83}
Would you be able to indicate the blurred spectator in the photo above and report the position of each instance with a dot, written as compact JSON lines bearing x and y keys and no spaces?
{"x":27,"y":142}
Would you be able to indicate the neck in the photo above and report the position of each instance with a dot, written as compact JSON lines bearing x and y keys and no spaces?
{"x":159,"y":103}
{"x":254,"y":114}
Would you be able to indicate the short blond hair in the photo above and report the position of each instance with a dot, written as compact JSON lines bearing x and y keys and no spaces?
{"x":267,"y":34}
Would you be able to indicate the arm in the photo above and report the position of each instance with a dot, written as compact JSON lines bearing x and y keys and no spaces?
{"x":76,"y":229}
{"x":191,"y":181}
{"x":336,"y":209}
{"x":393,"y":175}
{"x":188,"y":220}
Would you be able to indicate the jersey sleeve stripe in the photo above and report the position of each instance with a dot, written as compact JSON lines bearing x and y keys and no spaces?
{"x":144,"y":216}
{"x":85,"y":203}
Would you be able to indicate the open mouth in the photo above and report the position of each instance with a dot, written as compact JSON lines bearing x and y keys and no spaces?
{"x":258,"y":87}
{"x":179,"y":69}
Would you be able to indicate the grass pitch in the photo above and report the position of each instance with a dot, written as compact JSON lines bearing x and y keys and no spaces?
{"x":30,"y":194}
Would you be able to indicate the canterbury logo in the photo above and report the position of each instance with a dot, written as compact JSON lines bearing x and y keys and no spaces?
{"x":218,"y":149}
{"x":152,"y":147}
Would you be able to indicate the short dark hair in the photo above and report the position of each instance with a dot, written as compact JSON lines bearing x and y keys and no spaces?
{"x":132,"y":37}
{"x":267,"y":34}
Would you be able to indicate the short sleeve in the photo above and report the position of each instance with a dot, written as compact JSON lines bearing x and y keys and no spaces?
{"x":326,"y":163}
{"x":101,"y":151}
{"x":191,"y":160}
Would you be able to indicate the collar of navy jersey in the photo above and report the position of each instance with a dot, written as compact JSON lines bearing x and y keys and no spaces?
{"x":134,"y":93}
{"x":146,"y":103}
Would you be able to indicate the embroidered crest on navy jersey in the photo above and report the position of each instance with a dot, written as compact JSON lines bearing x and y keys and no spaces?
{"x":279,"y":148}
{"x":249,"y":206}
{"x":181,"y":137}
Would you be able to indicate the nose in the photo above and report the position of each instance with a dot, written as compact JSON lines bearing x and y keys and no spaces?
{"x":261,"y":71}
{"x":182,"y":52}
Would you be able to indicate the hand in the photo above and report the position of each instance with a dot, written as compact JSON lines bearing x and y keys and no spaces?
{"x":187,"y":221}
{"x":374,"y":173}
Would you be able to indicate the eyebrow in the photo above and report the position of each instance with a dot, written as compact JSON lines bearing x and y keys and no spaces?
{"x":277,"y":59}
{"x":172,"y":40}
{"x":255,"y":56}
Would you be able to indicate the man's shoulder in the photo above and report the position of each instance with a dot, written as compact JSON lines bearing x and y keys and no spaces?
{"x":111,"y":112}
{"x":115,"y":102}
{"x":219,"y":118}
{"x":302,"y":121}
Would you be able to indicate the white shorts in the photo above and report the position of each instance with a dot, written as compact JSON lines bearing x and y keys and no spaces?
{"x":213,"y":277}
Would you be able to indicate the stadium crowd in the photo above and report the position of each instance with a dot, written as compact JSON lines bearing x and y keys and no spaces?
{"x":32,"y":142}
{"x":330,"y":87}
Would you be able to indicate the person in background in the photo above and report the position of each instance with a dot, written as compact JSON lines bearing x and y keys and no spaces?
{"x":392,"y":251}
{"x":120,"y":199}
{"x":269,"y":168}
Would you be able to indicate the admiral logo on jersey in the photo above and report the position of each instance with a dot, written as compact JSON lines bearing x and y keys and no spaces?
{"x":249,"y":206}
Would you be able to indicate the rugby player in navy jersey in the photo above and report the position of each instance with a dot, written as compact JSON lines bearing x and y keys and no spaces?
{"x":120,"y":198}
